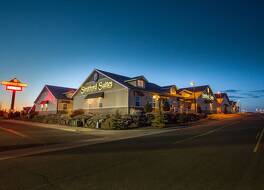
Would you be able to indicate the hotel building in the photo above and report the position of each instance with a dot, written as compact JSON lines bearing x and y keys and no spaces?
{"x":54,"y":99}
{"x":223,"y":103}
{"x":107,"y":92}
{"x":198,"y":99}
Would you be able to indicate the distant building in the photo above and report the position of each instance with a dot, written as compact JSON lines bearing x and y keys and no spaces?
{"x":198,"y":99}
{"x":26,"y":110}
{"x":234,"y":107}
{"x":54,"y":99}
{"x":107,"y":92}
{"x":223,"y":103}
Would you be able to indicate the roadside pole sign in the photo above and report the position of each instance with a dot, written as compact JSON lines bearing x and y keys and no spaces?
{"x":13,"y":85}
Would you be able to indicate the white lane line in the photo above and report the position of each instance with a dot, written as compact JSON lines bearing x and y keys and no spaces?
{"x":14,"y":132}
{"x":200,"y":135}
{"x":259,"y":141}
{"x":206,"y":133}
{"x":257,"y":136}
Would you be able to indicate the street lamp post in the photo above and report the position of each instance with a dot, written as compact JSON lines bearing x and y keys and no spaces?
{"x":194,"y":97}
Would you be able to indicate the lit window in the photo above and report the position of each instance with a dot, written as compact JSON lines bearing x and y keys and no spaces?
{"x":173,"y":90}
{"x":65,"y":106}
{"x":154,"y":103}
{"x":42,"y":107}
{"x":46,"y":106}
{"x":150,"y":101}
{"x":137,"y":101}
{"x":140,"y":83}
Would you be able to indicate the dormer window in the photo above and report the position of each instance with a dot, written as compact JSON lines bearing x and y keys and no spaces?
{"x":140,"y":83}
{"x":173,"y":90}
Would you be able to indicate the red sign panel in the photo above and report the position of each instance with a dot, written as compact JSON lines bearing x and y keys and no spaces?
{"x":14,"y":88}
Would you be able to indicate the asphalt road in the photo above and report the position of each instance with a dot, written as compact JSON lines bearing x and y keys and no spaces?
{"x":224,"y":155}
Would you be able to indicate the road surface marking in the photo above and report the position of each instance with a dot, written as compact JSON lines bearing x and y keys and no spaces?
{"x":259,"y":141}
{"x":14,"y":132}
{"x":257,"y":135}
{"x":206,"y":133}
{"x":200,"y":135}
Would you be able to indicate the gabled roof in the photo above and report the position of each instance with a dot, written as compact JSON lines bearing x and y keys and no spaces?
{"x":60,"y":92}
{"x":221,"y":95}
{"x":232,"y":102}
{"x":151,"y":87}
{"x":195,"y":88}
{"x":57,"y":91}
{"x":168,"y":87}
{"x":137,"y":77}
{"x":118,"y":78}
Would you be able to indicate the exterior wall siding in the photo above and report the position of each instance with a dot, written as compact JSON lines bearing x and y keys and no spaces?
{"x":114,"y":99}
{"x":69,"y":106}
{"x":51,"y":106}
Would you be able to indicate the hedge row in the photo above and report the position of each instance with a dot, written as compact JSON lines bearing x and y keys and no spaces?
{"x":116,"y":121}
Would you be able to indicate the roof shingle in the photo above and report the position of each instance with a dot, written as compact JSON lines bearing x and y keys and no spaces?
{"x":60,"y":92}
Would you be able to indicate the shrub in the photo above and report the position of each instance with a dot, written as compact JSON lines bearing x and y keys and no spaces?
{"x":171,"y":117}
{"x":182,"y":118}
{"x":148,"y":107}
{"x":203,"y":115}
{"x":159,"y":120}
{"x":92,"y":119}
{"x":117,"y":121}
{"x":149,"y":118}
{"x":77,"y":112}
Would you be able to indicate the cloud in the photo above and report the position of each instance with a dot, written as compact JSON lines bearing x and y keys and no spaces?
{"x":231,"y":91}
{"x":255,"y":96}
{"x":257,"y":91}
{"x":238,"y":94}
{"x":236,"y":97}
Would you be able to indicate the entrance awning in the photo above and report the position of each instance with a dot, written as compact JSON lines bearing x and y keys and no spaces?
{"x":95,"y":95}
{"x":44,"y":102}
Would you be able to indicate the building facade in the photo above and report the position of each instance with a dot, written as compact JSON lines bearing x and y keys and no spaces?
{"x":105,"y":92}
{"x":223,"y":103}
{"x":199,"y":99}
{"x":234,"y":107}
{"x":53,"y":100}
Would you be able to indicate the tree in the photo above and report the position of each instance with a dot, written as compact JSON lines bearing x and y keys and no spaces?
{"x":148,"y":107}
{"x":159,"y":120}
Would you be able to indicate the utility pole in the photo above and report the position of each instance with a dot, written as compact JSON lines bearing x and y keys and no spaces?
{"x":194,"y":97}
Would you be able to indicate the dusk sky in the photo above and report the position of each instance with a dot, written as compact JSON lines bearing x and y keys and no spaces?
{"x":220,"y":43}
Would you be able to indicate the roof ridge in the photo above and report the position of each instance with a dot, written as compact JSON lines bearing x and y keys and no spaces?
{"x":59,"y":86}
{"x":105,"y":72}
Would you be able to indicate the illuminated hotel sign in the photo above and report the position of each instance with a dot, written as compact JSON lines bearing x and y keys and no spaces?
{"x":16,"y":88}
{"x":99,"y":86}
{"x":206,"y":96}
{"x":13,"y":85}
